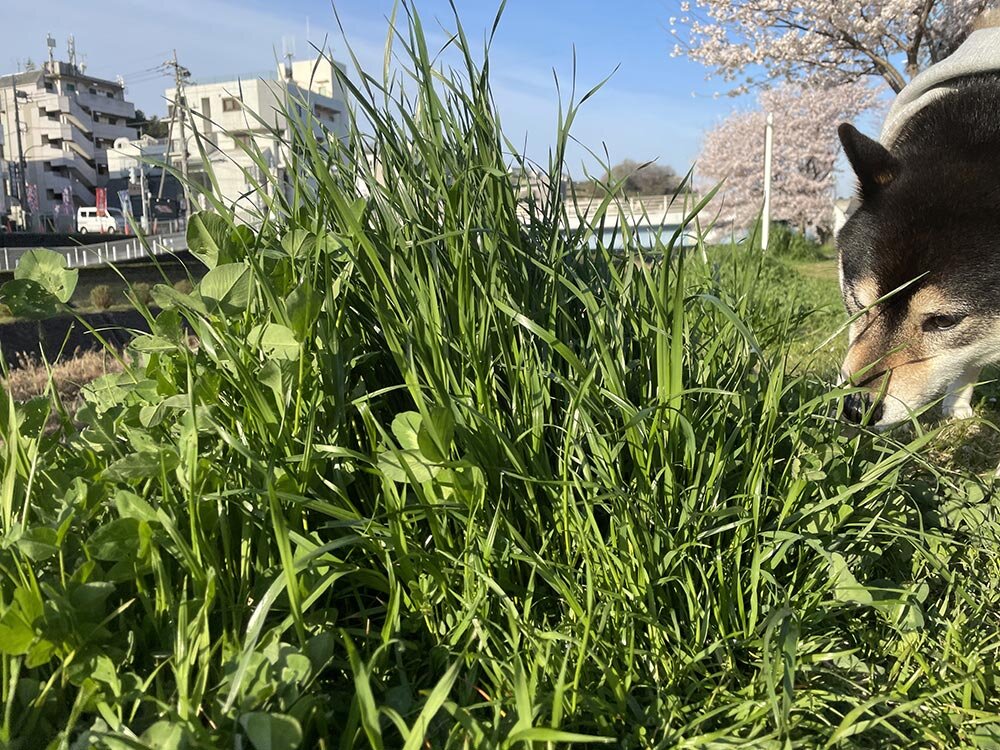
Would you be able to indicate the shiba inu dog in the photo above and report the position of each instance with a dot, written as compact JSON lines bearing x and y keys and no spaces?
{"x":920,"y":257}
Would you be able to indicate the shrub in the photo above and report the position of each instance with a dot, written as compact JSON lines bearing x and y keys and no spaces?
{"x":101,"y":297}
{"x":142,"y":293}
{"x":786,"y":242}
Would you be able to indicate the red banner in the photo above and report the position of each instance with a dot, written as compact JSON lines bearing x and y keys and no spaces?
{"x":102,"y":201}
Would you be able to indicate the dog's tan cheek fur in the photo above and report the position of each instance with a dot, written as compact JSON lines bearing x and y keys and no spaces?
{"x":865,"y":291}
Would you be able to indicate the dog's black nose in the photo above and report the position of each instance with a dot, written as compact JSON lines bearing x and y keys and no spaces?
{"x":877,"y":410}
{"x":855,"y":406}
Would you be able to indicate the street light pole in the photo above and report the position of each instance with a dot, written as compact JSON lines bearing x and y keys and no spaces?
{"x":766,"y":216}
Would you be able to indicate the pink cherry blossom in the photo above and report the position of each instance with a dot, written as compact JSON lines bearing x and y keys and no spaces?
{"x":826,"y":41}
{"x":805,"y":149}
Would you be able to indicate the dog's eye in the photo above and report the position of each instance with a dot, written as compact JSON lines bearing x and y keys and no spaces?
{"x":942,"y":322}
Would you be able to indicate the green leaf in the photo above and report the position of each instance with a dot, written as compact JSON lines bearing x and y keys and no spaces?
{"x":103,"y":670}
{"x":39,"y":543}
{"x":433,"y":704}
{"x":227,"y":288}
{"x":168,"y":297}
{"x":435,"y":438}
{"x":544,"y":734}
{"x":406,"y":428}
{"x":276,"y":341}
{"x":167,"y":325}
{"x":48,"y":269}
{"x":302,"y":307}
{"x":298,"y":242}
{"x":846,"y":587}
{"x":17,"y":631}
{"x":27,"y":298}
{"x":152,"y":344}
{"x":117,"y":541}
{"x":405,"y":466}
{"x":130,"y":505}
{"x":88,"y":598}
{"x":104,"y":392}
{"x":272,"y":731}
{"x":165,"y":735}
{"x":206,"y":237}
{"x":142,"y":465}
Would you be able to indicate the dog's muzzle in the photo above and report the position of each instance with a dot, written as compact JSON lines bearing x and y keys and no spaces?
{"x":856,"y":405}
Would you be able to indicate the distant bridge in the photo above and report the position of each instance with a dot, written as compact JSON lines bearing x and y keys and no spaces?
{"x":645,"y":217}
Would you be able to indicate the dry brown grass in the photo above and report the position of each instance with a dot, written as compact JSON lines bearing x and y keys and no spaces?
{"x":30,"y":378}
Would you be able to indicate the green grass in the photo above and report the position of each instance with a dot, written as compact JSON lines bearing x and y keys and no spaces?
{"x":435,"y":477}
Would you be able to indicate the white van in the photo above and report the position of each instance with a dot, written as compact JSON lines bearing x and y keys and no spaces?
{"x":87,"y":220}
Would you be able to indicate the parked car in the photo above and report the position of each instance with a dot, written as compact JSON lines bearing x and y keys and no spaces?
{"x":87,"y":221}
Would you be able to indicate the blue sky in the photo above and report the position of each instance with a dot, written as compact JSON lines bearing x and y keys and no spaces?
{"x":654,"y":107}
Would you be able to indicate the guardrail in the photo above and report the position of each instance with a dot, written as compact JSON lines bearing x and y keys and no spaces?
{"x":107,"y":253}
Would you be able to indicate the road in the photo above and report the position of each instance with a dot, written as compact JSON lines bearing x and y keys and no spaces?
{"x":103,"y":253}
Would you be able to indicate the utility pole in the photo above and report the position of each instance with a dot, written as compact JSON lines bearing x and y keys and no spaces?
{"x":766,"y":217}
{"x":22,"y":165}
{"x":181,"y":74}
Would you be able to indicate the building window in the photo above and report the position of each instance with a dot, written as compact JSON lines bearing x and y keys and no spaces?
{"x":109,"y":94}
{"x":93,"y":91}
{"x":231,"y":104}
{"x":49,"y":86}
{"x":71,"y":87}
{"x":326,"y":113}
{"x":242,"y":139}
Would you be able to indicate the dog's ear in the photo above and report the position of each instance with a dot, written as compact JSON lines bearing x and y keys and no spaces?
{"x":872,"y":162}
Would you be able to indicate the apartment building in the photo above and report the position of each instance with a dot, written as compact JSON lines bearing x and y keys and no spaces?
{"x":68,"y":121}
{"x":231,"y":114}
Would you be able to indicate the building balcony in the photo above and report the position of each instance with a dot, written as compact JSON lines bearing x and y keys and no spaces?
{"x":113,"y":132}
{"x":76,"y":163}
{"x":83,"y":195}
{"x":106,"y":105}
{"x":70,"y":111}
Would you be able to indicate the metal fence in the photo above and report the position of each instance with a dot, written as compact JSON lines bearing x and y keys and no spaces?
{"x":106,"y":253}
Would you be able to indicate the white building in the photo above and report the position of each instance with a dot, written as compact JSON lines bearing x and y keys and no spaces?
{"x":68,"y":121}
{"x":233,"y":114}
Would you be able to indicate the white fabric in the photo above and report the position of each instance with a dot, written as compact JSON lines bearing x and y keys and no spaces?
{"x":979,"y":53}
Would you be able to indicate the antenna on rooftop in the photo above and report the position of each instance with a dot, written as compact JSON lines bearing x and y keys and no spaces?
{"x":71,"y":50}
{"x":50,"y":41}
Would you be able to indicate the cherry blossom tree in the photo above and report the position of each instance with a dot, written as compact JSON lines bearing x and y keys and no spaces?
{"x":805,"y":150}
{"x":825,"y":42}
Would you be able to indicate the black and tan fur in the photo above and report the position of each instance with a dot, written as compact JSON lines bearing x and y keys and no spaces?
{"x":927,"y":234}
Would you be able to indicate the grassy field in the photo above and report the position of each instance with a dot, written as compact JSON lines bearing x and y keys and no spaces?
{"x":438,"y":477}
